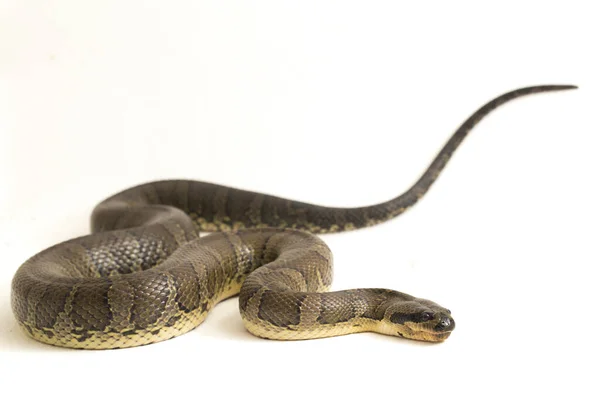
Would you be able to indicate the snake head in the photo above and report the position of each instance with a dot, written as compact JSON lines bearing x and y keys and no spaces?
{"x":418,"y":319}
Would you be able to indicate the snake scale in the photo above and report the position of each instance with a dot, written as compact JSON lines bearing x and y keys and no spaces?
{"x":144,"y":275}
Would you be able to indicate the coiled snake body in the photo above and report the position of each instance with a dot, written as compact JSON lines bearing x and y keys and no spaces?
{"x":143,"y":275}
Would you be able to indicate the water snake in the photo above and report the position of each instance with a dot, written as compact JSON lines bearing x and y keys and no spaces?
{"x":144,"y":275}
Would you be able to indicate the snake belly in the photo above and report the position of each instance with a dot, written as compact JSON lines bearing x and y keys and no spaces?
{"x":144,"y":275}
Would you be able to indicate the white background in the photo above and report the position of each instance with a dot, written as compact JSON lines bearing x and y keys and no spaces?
{"x":335,"y":102}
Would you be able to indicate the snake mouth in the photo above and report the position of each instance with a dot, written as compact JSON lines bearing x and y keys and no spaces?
{"x":436,"y":332}
{"x":425,"y":336}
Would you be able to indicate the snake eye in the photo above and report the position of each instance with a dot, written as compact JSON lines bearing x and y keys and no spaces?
{"x":426,"y":316}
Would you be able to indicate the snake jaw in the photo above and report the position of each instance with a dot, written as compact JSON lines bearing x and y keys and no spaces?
{"x":434,"y":338}
{"x":426,"y":333}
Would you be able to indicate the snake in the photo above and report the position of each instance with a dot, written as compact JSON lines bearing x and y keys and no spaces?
{"x":145,"y":274}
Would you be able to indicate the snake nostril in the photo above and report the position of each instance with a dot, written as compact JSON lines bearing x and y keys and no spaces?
{"x":446,"y":324}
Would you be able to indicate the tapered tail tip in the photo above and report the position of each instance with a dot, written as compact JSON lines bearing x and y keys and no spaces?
{"x":566,"y":87}
{"x":547,"y":88}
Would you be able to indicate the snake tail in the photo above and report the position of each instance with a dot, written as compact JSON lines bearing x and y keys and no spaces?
{"x":390,"y":209}
{"x":214,"y":207}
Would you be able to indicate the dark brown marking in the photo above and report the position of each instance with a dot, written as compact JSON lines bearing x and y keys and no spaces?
{"x":401,"y":318}
{"x":376,"y":300}
{"x":250,"y":290}
{"x":336,"y":307}
{"x":187,"y":287}
{"x":150,"y":299}
{"x":280,"y":309}
{"x":172,"y":321}
{"x":84,"y":335}
{"x":90,"y":310}
{"x":204,"y":306}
